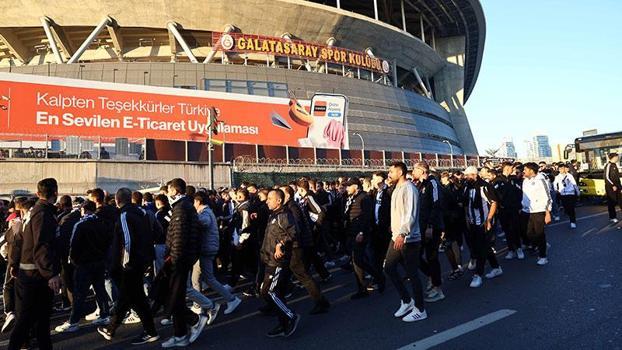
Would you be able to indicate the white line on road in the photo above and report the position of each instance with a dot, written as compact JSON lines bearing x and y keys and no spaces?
{"x":457,"y":331}
{"x":588,"y":232}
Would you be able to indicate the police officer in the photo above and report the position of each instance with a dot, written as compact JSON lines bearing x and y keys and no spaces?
{"x":36,"y":269}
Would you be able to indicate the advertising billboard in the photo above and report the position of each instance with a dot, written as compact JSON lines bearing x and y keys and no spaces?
{"x":39,"y":105}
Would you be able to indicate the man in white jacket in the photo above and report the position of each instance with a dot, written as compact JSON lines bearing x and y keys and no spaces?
{"x":566,"y":187}
{"x":536,"y":212}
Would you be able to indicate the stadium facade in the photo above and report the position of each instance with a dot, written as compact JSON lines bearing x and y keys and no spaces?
{"x":406,"y":66}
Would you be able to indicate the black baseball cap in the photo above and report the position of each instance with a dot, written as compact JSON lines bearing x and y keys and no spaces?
{"x":352,"y":181}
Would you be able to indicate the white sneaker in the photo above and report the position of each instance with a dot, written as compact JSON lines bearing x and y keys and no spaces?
{"x":92,"y":316}
{"x":494,"y":273}
{"x":471,"y":265}
{"x":476,"y":282}
{"x":615,"y":221}
{"x":520,"y":254}
{"x":429,"y":287}
{"x":67,"y":327}
{"x":232,"y":305}
{"x":196,"y":309}
{"x":404,"y":308}
{"x":557,"y":218}
{"x":436,"y":294}
{"x":9,"y":318}
{"x":166,"y":322}
{"x":196,"y":330}
{"x":543,"y":261}
{"x":510,"y":255}
{"x":101,"y":321}
{"x":176,"y":342}
{"x":573,"y":225}
{"x":132,"y":318}
{"x":212,"y":314}
{"x":415,"y":315}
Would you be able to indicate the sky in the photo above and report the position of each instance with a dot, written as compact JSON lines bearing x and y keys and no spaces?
{"x":550,"y":67}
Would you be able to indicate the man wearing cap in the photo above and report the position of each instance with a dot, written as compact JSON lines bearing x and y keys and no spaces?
{"x":567,"y":189}
{"x":359,"y":214}
{"x":612,"y":186}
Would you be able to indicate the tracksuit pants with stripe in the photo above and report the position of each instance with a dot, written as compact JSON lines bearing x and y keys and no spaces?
{"x":273,"y":291}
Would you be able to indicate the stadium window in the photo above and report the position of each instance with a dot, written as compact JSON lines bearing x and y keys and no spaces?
{"x":278,"y":89}
{"x":216,"y":85}
{"x":258,"y":88}
{"x":237,"y":87}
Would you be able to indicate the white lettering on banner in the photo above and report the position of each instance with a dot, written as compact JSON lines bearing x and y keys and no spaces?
{"x":43,"y":118}
{"x":61,"y":101}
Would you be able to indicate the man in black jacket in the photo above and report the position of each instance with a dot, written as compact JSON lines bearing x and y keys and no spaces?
{"x":88,"y":247}
{"x":129,"y":261}
{"x":276,"y":252}
{"x":183,"y":243}
{"x":510,"y":197}
{"x":66,"y":220}
{"x":36,"y":268}
{"x":381,"y":234}
{"x":431,"y":225}
{"x":303,"y":253}
{"x":613,"y":186}
{"x":359,"y":214}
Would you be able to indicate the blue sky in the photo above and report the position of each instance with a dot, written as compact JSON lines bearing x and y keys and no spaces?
{"x":552,"y":67}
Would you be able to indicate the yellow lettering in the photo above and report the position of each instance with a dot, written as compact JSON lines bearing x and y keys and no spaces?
{"x":241,"y":44}
{"x":301,"y":49}
{"x":265,"y":47}
{"x":343,"y":57}
{"x":286,"y":48}
{"x":314,"y":51}
{"x":279,"y":47}
{"x":323,"y":54}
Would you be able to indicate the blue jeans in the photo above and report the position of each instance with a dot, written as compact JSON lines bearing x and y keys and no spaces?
{"x":84,"y":276}
{"x":203,"y":271}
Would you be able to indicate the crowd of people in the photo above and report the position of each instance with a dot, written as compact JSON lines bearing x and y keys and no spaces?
{"x":149,"y":254}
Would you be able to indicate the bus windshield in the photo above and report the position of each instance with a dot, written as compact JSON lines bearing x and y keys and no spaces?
{"x":595,"y":149}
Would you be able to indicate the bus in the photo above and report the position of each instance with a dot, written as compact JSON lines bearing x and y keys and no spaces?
{"x":593,"y":151}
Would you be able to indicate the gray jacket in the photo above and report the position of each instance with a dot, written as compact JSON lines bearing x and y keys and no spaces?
{"x":405,"y":212}
{"x":209,"y":231}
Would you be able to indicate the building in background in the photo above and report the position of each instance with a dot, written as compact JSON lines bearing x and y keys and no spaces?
{"x":407,"y":67}
{"x":541,"y":147}
{"x":507,"y":150}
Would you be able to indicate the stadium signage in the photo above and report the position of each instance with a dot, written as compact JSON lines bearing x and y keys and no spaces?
{"x":59,"y":107}
{"x":237,"y":42}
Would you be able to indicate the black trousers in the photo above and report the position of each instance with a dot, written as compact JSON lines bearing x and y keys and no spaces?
{"x":273,"y":291}
{"x":33,"y":308}
{"x":66,"y":274}
{"x":482,"y":248}
{"x":311,"y":257}
{"x":533,"y":226}
{"x":131,"y":296}
{"x":8,"y":292}
{"x":362,"y":264}
{"x":86,"y":275}
{"x":408,"y":257}
{"x":176,"y":305}
{"x":379,"y":243}
{"x":429,"y":263}
{"x":570,"y":203}
{"x":613,"y":199}
{"x":301,"y":272}
{"x":510,"y":223}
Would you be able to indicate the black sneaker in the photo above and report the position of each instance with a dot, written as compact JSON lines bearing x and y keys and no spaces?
{"x":145,"y":338}
{"x":359,"y":295}
{"x":320,"y":307}
{"x":107,"y":334}
{"x":277,"y":331}
{"x":292,"y":325}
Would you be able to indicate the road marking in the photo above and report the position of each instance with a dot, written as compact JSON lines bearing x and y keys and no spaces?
{"x":565,"y":222}
{"x":588,"y":232}
{"x":460,"y":330}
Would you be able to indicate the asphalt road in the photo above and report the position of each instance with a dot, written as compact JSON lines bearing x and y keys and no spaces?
{"x":571,"y":303}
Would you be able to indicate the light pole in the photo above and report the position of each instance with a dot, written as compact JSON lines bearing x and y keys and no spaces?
{"x":362,"y":148}
{"x":451,"y":153}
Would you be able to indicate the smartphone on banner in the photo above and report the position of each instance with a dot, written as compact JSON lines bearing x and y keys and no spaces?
{"x":329,"y":128}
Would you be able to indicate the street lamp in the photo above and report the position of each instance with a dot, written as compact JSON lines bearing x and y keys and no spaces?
{"x":362,"y":148}
{"x":451,"y":153}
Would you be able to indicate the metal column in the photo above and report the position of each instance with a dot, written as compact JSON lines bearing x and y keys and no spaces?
{"x":76,"y":56}
{"x":172,"y":26}
{"x":48,"y":33}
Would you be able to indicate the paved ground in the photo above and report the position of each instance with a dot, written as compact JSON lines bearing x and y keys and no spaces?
{"x":572,"y":303}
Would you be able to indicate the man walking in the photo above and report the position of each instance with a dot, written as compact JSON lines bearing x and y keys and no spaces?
{"x":36,"y":270}
{"x":405,"y":244}
{"x":613,"y":186}
{"x":276,"y":252}
{"x":567,"y":189}
{"x":130,"y":259}
{"x":536,"y":212}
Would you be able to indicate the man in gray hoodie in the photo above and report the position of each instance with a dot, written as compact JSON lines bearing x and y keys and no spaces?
{"x":405,"y":244}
